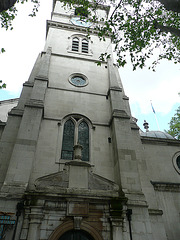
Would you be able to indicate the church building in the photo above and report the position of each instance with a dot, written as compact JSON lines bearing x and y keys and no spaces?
{"x":74,"y":164}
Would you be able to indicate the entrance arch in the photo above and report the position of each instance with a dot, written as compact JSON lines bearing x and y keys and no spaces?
{"x":69,"y":226}
{"x":76,"y":235}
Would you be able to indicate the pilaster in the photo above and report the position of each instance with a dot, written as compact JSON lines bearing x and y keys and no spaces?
{"x":22,"y":157}
{"x":35,"y":220}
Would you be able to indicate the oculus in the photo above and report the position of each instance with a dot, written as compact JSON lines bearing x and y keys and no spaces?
{"x":78,"y":80}
{"x":176,"y":162}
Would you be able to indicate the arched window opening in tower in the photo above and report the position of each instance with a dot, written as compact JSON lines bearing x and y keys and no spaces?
{"x":76,"y":131}
{"x":75,"y":44}
{"x":84,"y":46}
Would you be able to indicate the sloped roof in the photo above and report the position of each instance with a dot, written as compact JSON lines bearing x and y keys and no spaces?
{"x":156,"y":134}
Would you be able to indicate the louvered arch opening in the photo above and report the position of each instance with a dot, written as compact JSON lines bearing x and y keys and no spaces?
{"x":75,"y":44}
{"x":85,"y":46}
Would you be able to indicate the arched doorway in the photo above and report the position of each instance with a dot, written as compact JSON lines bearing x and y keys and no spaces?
{"x":76,"y":235}
{"x":90,"y":232}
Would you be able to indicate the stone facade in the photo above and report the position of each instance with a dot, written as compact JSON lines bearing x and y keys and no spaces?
{"x":127,"y":188}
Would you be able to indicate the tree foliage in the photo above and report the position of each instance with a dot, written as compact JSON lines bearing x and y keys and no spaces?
{"x":146,"y":30}
{"x":174,"y":125}
{"x":7,"y":16}
{"x":142,"y":29}
{"x":2,"y":85}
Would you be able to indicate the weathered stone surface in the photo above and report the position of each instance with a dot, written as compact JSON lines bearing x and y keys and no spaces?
{"x":126,"y":173}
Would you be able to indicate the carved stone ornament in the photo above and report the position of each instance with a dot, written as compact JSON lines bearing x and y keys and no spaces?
{"x":60,"y":182}
{"x":77,"y":222}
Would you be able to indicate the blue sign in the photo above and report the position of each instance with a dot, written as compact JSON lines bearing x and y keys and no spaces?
{"x":5,"y":221}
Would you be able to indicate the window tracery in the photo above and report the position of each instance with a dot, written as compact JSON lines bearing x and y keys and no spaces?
{"x":80,"y":44}
{"x":76,"y":131}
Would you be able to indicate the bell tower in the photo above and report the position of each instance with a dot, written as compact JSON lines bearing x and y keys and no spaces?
{"x":71,"y":131}
{"x":71,"y":154}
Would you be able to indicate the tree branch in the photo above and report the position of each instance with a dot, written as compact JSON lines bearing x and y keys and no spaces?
{"x":168,"y":29}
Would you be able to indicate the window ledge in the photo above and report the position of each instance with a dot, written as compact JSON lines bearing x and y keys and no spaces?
{"x":80,"y":53}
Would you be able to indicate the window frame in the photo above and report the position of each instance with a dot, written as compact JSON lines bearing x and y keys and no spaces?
{"x":73,"y":43}
{"x":83,"y":42}
{"x":77,"y":123}
{"x":78,"y":75}
{"x":174,"y":160}
{"x":81,"y":38}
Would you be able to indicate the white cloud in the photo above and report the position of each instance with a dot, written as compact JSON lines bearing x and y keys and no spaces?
{"x":26,"y":41}
{"x":161,"y":87}
{"x":22,"y":45}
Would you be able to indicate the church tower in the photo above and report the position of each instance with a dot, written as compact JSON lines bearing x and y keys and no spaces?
{"x":72,"y":157}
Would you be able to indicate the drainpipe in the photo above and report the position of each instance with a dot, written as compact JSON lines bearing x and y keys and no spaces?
{"x":19,"y":208}
{"x":128,"y":214}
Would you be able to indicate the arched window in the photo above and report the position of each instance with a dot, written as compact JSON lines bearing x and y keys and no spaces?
{"x":76,"y":130}
{"x":75,"y":44}
{"x":84,"y":46}
{"x":76,"y":235}
{"x":80,"y":44}
{"x":68,"y":140}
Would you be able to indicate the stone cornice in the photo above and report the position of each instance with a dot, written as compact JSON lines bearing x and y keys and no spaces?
{"x":155,"y":212}
{"x":28,"y":84}
{"x":94,"y":124}
{"x":70,"y":27}
{"x":116,"y":89}
{"x":16,"y":112}
{"x":35,"y":103}
{"x":166,"y":186}
{"x":134,"y":126}
{"x":2,"y":124}
{"x":77,"y":91}
{"x":82,"y":57}
{"x":160,"y":141}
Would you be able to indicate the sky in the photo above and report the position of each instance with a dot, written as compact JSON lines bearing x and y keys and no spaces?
{"x":27,"y":39}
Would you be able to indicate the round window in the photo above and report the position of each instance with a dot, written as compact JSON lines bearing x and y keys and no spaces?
{"x":176,"y":161}
{"x":78,"y":80}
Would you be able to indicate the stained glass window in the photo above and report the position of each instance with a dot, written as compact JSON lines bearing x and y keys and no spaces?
{"x":76,"y":235}
{"x":83,"y":139}
{"x":68,"y":140}
{"x":78,"y":81}
{"x":72,"y":137}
